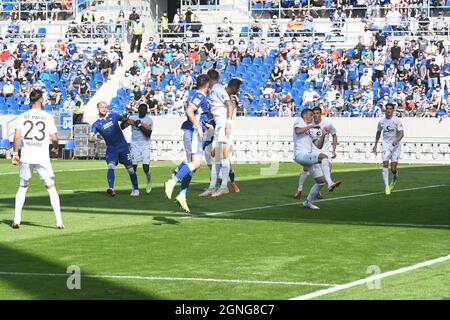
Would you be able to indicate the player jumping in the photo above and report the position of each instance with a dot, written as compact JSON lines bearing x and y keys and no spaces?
{"x":194,"y":140}
{"x":307,"y":155}
{"x":141,"y":133}
{"x":393,"y":133}
{"x":329,"y":148}
{"x":223,"y":111}
{"x":35,"y":127}
{"x":117,"y":151}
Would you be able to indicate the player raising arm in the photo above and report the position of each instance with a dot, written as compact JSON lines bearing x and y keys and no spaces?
{"x":325,"y":145}
{"x":392,"y":130}
{"x":35,"y":127}
{"x":141,"y":132}
{"x":117,"y":151}
{"x":223,"y":112}
{"x":194,"y":141}
{"x":307,"y":155}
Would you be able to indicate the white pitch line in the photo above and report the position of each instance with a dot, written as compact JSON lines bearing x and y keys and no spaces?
{"x":107,"y":276}
{"x":68,"y":170}
{"x":371,"y":279}
{"x":322,"y":200}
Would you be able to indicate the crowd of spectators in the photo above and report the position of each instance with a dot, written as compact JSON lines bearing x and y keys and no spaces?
{"x":67,"y":74}
{"x":33,"y":10}
{"x":414,"y":73}
{"x":351,"y":8}
{"x":184,"y":23}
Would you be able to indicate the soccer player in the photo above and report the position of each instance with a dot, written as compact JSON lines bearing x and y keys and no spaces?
{"x":223,"y":111}
{"x":35,"y":127}
{"x":393,"y":133}
{"x":307,"y":155}
{"x":194,"y":141}
{"x":210,"y":152}
{"x":141,"y":133}
{"x":328,"y":147}
{"x":117,"y":151}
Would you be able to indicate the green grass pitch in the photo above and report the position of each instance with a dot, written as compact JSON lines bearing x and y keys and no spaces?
{"x":259,"y":244}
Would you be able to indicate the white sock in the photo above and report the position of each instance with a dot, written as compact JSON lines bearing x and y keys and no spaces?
{"x":315,"y":189}
{"x":54,"y":200}
{"x":386,"y":176}
{"x":20,"y":200}
{"x":214,"y":172}
{"x":325,"y":164}
{"x":301,"y":180}
{"x":226,"y":165}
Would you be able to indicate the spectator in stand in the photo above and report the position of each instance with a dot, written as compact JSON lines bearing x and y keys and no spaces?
{"x":310,"y":97}
{"x":440,"y":27}
{"x":119,"y":26}
{"x":393,"y":17}
{"x":13,"y":29}
{"x":105,"y":66}
{"x":133,"y":16}
{"x":423,"y":23}
{"x":225,"y":29}
{"x":196,"y":28}
{"x":88,"y":16}
{"x":274,"y":29}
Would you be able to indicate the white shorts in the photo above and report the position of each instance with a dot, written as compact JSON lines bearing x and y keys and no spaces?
{"x":315,"y":170}
{"x":140,"y":153}
{"x":44,"y":171}
{"x":307,"y":158}
{"x":220,"y":135}
{"x":390,"y":152}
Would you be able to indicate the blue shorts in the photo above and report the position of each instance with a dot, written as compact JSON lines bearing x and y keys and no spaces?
{"x":117,"y":156}
{"x":192,"y":143}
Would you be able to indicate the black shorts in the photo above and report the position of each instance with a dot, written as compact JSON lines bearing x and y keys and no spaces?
{"x":338,"y":81}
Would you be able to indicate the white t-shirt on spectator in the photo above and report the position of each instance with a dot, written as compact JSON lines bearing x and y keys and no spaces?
{"x":393,"y":17}
{"x":367,"y":37}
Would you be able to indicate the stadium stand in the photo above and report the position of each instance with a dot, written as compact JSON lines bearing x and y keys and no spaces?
{"x":381,"y":60}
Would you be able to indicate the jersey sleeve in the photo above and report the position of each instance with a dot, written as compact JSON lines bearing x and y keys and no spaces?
{"x":117,"y":117}
{"x":224,"y":95}
{"x":51,"y":126}
{"x":19,"y":123}
{"x":195,"y":102}
{"x":331,"y":129}
{"x":94,"y":128}
{"x":299,"y":123}
{"x":399,"y":125}
{"x":379,"y":128}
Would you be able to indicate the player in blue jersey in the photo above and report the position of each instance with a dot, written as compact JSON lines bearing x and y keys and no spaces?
{"x":194,"y":140}
{"x":117,"y":151}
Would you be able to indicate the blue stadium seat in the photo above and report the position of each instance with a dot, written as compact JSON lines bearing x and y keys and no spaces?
{"x":5,"y":144}
{"x":41,"y":33}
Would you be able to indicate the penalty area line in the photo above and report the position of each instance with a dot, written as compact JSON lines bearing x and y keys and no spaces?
{"x":380,"y":276}
{"x":108,"y":276}
{"x":322,"y":200}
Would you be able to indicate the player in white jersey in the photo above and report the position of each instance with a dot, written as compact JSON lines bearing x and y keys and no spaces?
{"x":141,"y":132}
{"x":393,"y":133}
{"x":223,"y":111}
{"x":328,"y":147}
{"x":35,"y":127}
{"x":308,"y":155}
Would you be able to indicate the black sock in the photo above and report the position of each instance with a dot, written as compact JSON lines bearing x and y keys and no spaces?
{"x":231,"y":175}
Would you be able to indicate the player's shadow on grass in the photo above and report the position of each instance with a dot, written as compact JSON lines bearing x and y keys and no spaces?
{"x":164,"y":220}
{"x":421,"y":207}
{"x":26,"y":223}
{"x":53,"y":287}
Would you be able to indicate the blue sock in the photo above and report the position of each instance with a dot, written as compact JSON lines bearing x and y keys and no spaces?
{"x":111,"y":177}
{"x":185,"y":184}
{"x":182,"y":172}
{"x":133,"y":178}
